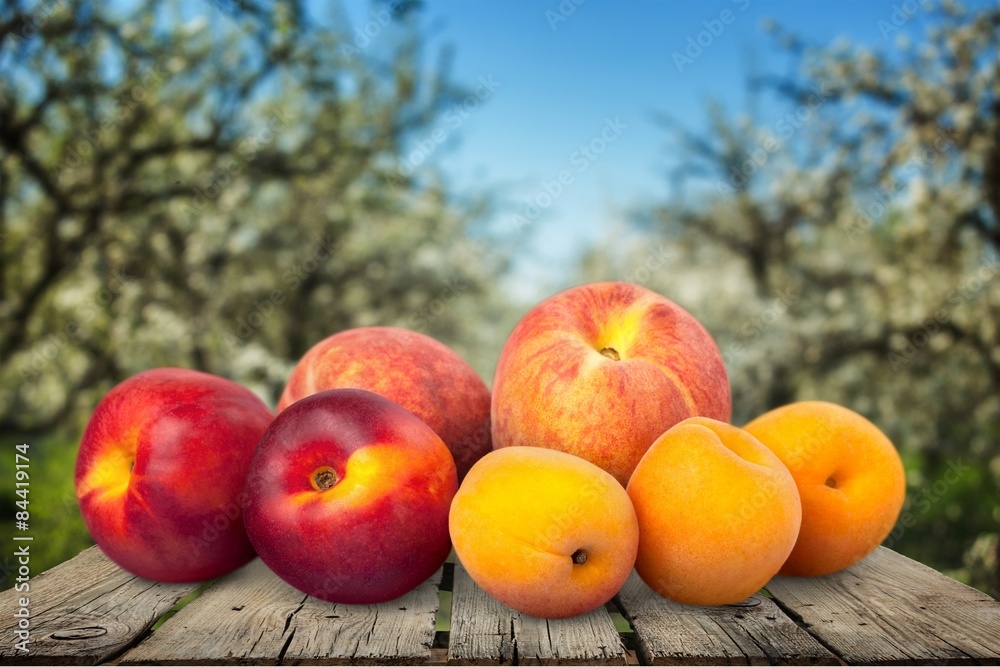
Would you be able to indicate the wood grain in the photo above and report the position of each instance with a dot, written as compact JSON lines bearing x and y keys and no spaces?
{"x":400,"y":631}
{"x":485,"y":631}
{"x":85,"y":611}
{"x":754,"y":632}
{"x":482,"y":629}
{"x":886,"y":609}
{"x":252,"y":616}
{"x":891,"y":609}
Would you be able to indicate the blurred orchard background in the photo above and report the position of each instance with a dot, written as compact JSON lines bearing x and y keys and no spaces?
{"x":220,"y":184}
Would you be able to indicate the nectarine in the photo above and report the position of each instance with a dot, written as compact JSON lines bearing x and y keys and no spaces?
{"x":161,"y":469}
{"x":347,"y":497}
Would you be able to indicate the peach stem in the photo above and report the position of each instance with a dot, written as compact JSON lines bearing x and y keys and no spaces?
{"x":324,"y":478}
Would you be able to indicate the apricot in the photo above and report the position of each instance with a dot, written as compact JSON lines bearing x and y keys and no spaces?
{"x":850,"y":478}
{"x":718,"y":513}
{"x":546,"y":533}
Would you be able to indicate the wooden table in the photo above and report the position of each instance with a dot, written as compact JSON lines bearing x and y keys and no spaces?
{"x":886,"y":609}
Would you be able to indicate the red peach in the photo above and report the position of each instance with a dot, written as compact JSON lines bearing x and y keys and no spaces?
{"x":601,"y":370}
{"x":411,"y":369}
{"x":348,"y":497}
{"x":160,"y":473}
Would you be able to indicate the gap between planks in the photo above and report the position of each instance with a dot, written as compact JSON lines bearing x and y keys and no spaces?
{"x":754,"y":632}
{"x":484,"y":631}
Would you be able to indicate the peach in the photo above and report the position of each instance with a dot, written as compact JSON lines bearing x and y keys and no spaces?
{"x":161,"y":469}
{"x":601,"y":371}
{"x":411,"y":369}
{"x":544,"y":532}
{"x":718,"y":513}
{"x":347,"y":497}
{"x":849,"y":476}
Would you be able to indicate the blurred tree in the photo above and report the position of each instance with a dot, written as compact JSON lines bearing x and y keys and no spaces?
{"x":848,"y":249}
{"x":215,"y":186}
{"x":218,"y":187}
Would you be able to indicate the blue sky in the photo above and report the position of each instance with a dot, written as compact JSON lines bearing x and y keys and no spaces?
{"x":560,"y":81}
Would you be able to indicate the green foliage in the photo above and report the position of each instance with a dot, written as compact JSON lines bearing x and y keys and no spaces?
{"x":54,"y":523}
{"x":183,"y":602}
{"x":219,"y":193}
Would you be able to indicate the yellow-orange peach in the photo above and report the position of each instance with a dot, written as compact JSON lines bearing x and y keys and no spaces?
{"x":718,"y":513}
{"x":601,"y":371}
{"x":544,"y":532}
{"x":849,"y":476}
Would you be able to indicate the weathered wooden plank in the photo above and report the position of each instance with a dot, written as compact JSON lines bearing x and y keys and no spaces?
{"x":482,"y":629}
{"x":242,"y":617}
{"x":252,"y":616}
{"x":84,"y":611}
{"x":891,"y":609}
{"x":485,"y":631}
{"x":588,"y":639}
{"x":752,"y":632}
{"x":400,"y":631}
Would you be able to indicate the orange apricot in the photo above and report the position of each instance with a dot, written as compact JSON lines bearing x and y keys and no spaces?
{"x":718,"y":513}
{"x":546,"y":533}
{"x":850,"y":478}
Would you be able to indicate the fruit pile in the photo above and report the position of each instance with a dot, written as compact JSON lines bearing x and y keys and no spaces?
{"x":605,"y":446}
